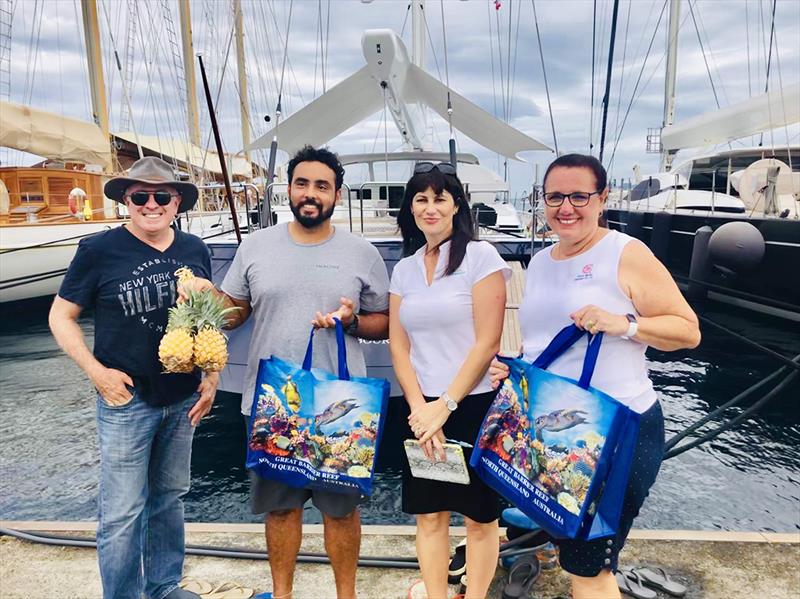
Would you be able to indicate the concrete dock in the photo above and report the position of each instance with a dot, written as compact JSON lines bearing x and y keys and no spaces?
{"x":720,"y":565}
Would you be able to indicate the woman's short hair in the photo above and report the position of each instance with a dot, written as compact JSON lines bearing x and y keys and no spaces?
{"x":463,"y":227}
{"x":580,"y":161}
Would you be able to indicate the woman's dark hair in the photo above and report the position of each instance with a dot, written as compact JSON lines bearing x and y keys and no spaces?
{"x":580,"y":161}
{"x":323,"y":155}
{"x":463,"y":228}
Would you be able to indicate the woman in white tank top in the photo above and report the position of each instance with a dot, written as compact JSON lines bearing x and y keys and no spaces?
{"x":603,"y":281}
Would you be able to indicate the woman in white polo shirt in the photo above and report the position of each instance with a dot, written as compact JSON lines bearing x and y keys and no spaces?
{"x":446,"y":308}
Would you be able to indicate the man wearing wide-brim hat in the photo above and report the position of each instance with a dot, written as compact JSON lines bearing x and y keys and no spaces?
{"x":145,"y":419}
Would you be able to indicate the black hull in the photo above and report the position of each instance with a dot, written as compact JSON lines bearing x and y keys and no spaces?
{"x":773,"y":287}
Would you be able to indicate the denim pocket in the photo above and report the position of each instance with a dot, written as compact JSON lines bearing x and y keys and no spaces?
{"x":108,"y":406}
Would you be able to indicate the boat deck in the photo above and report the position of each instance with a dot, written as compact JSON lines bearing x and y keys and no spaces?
{"x":711,"y":564}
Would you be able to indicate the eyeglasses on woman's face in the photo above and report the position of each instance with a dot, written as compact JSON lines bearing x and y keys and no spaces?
{"x":578,"y":199}
{"x":425,"y":167}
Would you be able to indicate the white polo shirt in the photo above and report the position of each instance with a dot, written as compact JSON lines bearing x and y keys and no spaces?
{"x":438,"y":317}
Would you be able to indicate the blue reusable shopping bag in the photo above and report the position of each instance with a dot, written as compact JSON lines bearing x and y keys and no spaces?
{"x":556,"y":448}
{"x":313,"y":429}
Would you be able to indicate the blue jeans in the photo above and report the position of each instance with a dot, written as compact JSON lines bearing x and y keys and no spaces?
{"x":145,"y":457}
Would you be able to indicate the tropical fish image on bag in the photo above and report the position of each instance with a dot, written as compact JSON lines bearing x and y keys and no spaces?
{"x":558,"y":453}
{"x":278,"y":429}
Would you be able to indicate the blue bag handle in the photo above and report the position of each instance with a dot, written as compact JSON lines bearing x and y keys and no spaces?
{"x":344,"y":374}
{"x":566,"y":338}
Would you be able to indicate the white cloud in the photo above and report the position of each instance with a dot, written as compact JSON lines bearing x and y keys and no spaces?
{"x":729,"y":36}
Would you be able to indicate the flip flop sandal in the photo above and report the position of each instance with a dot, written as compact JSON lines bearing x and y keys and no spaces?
{"x":228,"y":590}
{"x":195,"y":585}
{"x":458,"y":565}
{"x":521,"y":577}
{"x":417,"y":590}
{"x":657,"y":578}
{"x":631,"y":583}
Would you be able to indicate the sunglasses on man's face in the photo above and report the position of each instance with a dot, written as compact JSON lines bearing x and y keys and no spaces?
{"x":162,"y":198}
{"x":443,"y":167}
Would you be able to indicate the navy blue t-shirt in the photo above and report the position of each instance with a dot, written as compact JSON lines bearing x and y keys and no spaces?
{"x":131,"y":287}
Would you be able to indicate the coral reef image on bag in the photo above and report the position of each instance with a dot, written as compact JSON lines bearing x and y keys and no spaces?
{"x":554,"y":442}
{"x":310,"y":429}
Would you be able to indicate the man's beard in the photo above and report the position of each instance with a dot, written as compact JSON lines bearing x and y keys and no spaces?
{"x":309,"y":222}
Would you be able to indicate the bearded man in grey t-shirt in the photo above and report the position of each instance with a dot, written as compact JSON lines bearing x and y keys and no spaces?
{"x":290,"y":277}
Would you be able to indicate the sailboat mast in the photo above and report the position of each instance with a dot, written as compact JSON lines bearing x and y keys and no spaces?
{"x":97,"y":84}
{"x":669,"y":79}
{"x":188,"y":71}
{"x":240,"y":56}
{"x":418,"y":45}
{"x":418,"y":33}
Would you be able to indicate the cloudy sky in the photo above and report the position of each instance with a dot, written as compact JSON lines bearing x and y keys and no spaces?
{"x":484,"y":47}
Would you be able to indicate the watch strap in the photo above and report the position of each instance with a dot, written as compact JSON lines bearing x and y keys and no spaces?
{"x":352,"y":328}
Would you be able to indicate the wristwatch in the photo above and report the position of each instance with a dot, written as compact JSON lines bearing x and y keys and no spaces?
{"x":633,"y":326}
{"x":451,"y":403}
{"x":353,"y":326}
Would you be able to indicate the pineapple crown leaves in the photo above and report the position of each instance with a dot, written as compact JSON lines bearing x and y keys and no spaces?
{"x":209,"y":310}
{"x":181,"y":316}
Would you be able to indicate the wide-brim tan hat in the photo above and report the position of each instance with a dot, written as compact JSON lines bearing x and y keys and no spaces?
{"x":154,"y":171}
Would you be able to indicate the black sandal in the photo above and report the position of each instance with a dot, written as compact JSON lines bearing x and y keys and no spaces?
{"x":522,"y":576}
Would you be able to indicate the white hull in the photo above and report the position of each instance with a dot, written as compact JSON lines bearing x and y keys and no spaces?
{"x":30,"y":269}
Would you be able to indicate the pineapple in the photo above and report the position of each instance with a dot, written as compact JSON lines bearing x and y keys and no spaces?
{"x":210,"y":345}
{"x":177,"y":346}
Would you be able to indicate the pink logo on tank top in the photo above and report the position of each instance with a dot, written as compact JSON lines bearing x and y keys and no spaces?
{"x":586,"y":273}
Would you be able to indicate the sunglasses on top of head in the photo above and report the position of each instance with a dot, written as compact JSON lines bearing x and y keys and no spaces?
{"x":425,"y":167}
{"x":162,"y":198}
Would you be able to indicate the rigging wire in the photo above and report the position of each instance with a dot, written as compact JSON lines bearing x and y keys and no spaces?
{"x":783,"y":108}
{"x":594,"y":61}
{"x":544,"y":73}
{"x":500,"y":63}
{"x":82,"y":49}
{"x":622,"y":73}
{"x":607,"y":93}
{"x":702,"y":50}
{"x":638,"y":80}
{"x":516,"y":54}
{"x":30,"y":76}
{"x":714,"y":63}
{"x":769,"y":64}
{"x":446,"y":72}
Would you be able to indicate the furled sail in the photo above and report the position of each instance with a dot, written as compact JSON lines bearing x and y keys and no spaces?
{"x":768,"y":111}
{"x":52,"y":136}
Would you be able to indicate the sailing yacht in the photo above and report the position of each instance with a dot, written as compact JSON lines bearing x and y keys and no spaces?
{"x":726,"y":223}
{"x":392,"y":80}
{"x":41,"y":221}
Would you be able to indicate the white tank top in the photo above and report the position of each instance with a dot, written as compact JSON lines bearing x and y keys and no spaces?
{"x":556,"y":288}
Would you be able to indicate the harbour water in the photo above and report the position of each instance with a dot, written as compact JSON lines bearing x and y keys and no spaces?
{"x":746,"y":479}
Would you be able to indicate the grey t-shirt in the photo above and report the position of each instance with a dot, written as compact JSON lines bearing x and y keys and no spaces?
{"x":286,"y":284}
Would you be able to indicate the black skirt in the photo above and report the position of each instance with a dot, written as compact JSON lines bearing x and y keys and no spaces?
{"x":476,"y":500}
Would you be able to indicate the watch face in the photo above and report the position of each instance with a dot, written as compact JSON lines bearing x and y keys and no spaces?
{"x":451,"y":404}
